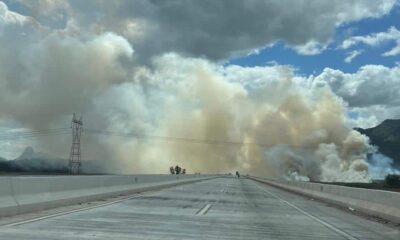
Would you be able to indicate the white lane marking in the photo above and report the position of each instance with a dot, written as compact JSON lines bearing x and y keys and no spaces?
{"x":204,"y":209}
{"x":100,"y":205}
{"x":68,"y":212}
{"x":326,"y":224}
{"x":225,"y":189}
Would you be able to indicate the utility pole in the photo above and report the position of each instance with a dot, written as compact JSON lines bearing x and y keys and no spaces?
{"x":75,"y":155}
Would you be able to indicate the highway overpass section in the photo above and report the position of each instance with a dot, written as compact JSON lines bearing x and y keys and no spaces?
{"x":220,"y":208}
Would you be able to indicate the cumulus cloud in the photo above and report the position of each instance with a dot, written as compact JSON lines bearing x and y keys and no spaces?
{"x":372,"y":93}
{"x":394,"y":51}
{"x":311,"y":48}
{"x":370,"y":85}
{"x":353,"y":54}
{"x":216,"y":30}
{"x":377,"y":39}
{"x":371,"y":116}
{"x":8,"y":16}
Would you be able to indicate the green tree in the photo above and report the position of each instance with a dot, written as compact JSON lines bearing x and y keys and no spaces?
{"x":392,"y":180}
{"x":177,"y":169}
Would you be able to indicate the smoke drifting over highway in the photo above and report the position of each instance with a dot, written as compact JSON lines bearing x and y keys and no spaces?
{"x":287,"y":129}
{"x":261,"y":120}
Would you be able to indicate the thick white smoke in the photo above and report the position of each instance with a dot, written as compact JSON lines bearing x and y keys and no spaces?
{"x":270,"y":123}
{"x":260,"y":120}
{"x":380,"y":166}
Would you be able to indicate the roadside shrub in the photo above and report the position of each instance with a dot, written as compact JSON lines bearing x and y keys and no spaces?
{"x":392,"y":180}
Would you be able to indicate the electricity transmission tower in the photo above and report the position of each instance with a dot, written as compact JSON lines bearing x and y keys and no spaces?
{"x":75,"y":155}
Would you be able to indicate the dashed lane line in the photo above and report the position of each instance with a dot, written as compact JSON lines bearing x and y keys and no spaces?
{"x":204,"y":209}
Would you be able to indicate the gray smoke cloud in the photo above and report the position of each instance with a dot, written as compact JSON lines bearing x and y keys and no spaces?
{"x":380,"y":166}
{"x":282,"y":127}
{"x":213,"y":29}
{"x":56,"y":71}
{"x":48,"y":74}
{"x":63,"y":61}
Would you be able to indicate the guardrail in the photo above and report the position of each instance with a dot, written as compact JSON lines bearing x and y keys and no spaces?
{"x":21,"y":194}
{"x":384,"y":204}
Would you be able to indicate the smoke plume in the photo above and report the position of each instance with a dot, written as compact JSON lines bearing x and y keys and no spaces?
{"x":380,"y":166}
{"x":260,"y":120}
{"x":285,"y":128}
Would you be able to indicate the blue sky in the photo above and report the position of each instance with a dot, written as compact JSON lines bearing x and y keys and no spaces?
{"x":332,"y":57}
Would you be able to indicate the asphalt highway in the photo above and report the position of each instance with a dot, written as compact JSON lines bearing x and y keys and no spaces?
{"x":222,"y":208}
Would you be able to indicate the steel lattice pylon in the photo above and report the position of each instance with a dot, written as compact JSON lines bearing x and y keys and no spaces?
{"x":75,"y":154}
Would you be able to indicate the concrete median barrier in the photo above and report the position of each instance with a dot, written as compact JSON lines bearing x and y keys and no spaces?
{"x":384,"y":204}
{"x":8,"y":204}
{"x":21,"y":194}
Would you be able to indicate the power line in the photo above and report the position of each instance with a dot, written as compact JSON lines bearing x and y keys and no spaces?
{"x":189,"y":140}
{"x":36,"y":131}
{"x":63,"y":131}
{"x":33,"y":134}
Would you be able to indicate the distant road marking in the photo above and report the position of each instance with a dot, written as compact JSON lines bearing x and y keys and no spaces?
{"x":225,"y":189}
{"x":326,"y":224}
{"x":204,"y":209}
{"x":68,"y":212}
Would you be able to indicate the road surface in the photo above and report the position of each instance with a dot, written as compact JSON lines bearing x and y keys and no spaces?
{"x":222,"y":208}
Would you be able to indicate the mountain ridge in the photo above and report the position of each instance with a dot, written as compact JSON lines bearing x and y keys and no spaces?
{"x":386,"y":136}
{"x":31,"y":161}
{"x":29,"y":153}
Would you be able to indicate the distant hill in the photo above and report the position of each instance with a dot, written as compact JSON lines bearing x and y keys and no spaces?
{"x":29,"y":153}
{"x":386,"y":136}
{"x":34,"y":162}
{"x":31,"y":161}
